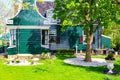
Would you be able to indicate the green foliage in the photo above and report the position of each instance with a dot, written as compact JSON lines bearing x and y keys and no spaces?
{"x":17,"y":61}
{"x":63,"y":54}
{"x":113,"y":32}
{"x":85,"y":12}
{"x":28,"y":5}
{"x":45,"y":55}
{"x":30,"y":60}
{"x":110,"y":56}
{"x":64,"y":51}
{"x":1,"y":26}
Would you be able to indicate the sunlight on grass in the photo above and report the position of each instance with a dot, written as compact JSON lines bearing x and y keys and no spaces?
{"x":99,"y":56}
{"x":56,"y":70}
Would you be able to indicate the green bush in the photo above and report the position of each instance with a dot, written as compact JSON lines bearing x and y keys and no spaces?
{"x":64,"y":51}
{"x":63,"y":54}
{"x":110,"y":56}
{"x":45,"y":55}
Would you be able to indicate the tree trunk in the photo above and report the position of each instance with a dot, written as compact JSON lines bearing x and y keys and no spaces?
{"x":89,"y":38}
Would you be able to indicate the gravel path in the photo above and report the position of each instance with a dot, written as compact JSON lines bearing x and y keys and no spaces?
{"x":80,"y":61}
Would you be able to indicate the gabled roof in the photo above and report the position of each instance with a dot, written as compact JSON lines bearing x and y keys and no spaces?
{"x":28,"y":17}
{"x":32,"y":17}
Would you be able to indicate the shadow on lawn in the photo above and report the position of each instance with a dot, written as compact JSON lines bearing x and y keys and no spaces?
{"x":64,"y":56}
{"x":95,"y":69}
{"x":39,"y":69}
{"x":99,"y":69}
{"x":117,"y":67}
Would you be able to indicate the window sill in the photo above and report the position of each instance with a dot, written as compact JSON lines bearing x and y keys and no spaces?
{"x":12,"y":46}
{"x":45,"y":46}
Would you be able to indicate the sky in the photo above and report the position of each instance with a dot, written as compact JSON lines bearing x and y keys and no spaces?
{"x":6,"y":2}
{"x":5,"y":8}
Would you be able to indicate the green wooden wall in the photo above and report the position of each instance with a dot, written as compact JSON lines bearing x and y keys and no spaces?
{"x":106,"y":42}
{"x":30,"y":41}
{"x":12,"y":51}
{"x":28,"y":17}
{"x":74,"y":34}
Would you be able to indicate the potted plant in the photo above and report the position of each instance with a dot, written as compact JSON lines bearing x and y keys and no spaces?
{"x":110,"y":62}
{"x":17,"y":61}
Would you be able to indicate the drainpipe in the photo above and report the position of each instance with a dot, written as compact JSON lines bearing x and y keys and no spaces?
{"x":99,"y":40}
{"x":18,"y":40}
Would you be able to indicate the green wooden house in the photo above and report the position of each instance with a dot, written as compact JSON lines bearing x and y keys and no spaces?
{"x":35,"y":31}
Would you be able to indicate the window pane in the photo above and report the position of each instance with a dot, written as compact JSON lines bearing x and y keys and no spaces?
{"x":13,"y":36}
{"x":44,"y":37}
{"x":52,"y":39}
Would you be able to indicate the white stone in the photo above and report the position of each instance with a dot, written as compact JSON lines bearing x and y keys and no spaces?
{"x":80,"y":61}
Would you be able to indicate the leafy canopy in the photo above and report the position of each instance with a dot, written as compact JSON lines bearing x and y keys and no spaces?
{"x":85,"y":12}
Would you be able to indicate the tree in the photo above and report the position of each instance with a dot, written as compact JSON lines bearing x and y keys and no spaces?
{"x":86,"y":13}
{"x":113,"y":32}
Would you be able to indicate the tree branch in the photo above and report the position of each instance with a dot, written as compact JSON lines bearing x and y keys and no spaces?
{"x":97,"y":22}
{"x":117,"y":2}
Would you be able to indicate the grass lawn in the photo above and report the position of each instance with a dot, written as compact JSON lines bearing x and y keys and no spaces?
{"x":56,"y":70}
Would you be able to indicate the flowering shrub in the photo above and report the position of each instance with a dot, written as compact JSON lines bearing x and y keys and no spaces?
{"x":45,"y":55}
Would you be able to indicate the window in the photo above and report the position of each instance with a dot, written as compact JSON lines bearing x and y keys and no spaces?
{"x":81,"y":39}
{"x":50,"y":19}
{"x":94,"y":40}
{"x":52,"y":39}
{"x":13,"y":36}
{"x":44,"y":37}
{"x":53,"y":36}
{"x":84,"y":39}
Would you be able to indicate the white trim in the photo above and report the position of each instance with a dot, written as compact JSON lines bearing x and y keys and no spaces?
{"x":12,"y":37}
{"x":106,"y":36}
{"x":49,"y":18}
{"x":84,"y":38}
{"x":24,"y":54}
{"x":9,"y":21}
{"x":28,"y":27}
{"x":45,"y":46}
{"x":12,"y":46}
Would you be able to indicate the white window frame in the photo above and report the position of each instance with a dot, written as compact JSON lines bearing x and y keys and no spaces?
{"x":12,"y":37}
{"x":46,"y":45}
